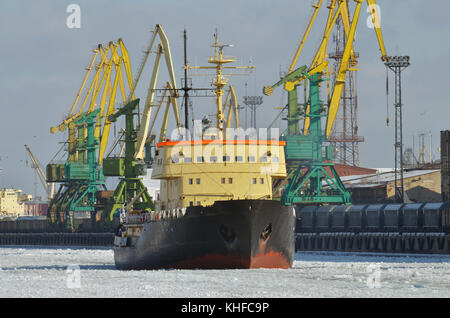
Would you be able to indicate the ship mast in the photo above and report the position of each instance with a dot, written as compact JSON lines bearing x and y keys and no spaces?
{"x":186,"y":88}
{"x":220,"y":80}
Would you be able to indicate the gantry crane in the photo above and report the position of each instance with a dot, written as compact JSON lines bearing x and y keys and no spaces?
{"x":85,"y":177}
{"x":130,"y":167}
{"x":81,"y":175}
{"x":110,"y":60}
{"x":304,"y":148}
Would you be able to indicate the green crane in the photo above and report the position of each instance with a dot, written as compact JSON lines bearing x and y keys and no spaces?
{"x":130,"y":188}
{"x":304,"y":150}
{"x":82,"y":176}
{"x":306,"y":163}
{"x":306,"y":184}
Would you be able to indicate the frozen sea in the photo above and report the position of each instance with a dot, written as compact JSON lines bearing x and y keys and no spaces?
{"x":80,"y":272}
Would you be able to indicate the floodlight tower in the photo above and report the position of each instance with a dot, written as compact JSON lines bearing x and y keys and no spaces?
{"x":397,"y":64}
{"x":253,"y":102}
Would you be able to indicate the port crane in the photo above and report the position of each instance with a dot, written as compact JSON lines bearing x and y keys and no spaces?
{"x":304,"y":148}
{"x":109,"y":60}
{"x":138,"y":140}
{"x":81,"y":175}
{"x":163,"y":48}
{"x":35,"y":164}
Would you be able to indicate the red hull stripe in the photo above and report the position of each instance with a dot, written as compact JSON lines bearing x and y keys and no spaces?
{"x":234,"y":261}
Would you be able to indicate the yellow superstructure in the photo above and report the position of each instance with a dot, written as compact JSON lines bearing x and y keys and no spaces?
{"x":214,"y":166}
{"x":201,"y":172}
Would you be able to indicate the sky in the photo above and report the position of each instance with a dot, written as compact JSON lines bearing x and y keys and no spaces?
{"x":43,"y":63}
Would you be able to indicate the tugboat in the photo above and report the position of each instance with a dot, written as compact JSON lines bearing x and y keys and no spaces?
{"x":215,"y":208}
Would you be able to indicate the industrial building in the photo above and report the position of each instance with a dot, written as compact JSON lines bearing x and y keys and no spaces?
{"x":36,"y":208}
{"x":419,"y":186}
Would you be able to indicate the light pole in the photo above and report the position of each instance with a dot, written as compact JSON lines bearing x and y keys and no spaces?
{"x":253,"y":102}
{"x":397,"y":64}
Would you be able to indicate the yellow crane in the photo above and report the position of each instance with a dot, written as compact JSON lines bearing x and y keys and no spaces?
{"x":130,"y":190}
{"x":81,"y":176}
{"x":337,"y":8}
{"x":101,"y":93}
{"x":304,"y":149}
{"x":163,"y":48}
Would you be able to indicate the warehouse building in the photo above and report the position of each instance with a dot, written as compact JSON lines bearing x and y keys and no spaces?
{"x":419,"y":186}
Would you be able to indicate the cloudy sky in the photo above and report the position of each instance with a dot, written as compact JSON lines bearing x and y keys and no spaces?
{"x":42,"y":64}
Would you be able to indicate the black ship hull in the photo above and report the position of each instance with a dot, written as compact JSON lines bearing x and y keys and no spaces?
{"x":228,"y":234}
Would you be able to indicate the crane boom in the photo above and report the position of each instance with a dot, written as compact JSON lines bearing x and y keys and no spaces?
{"x":71,"y":116}
{"x":348,"y":54}
{"x":344,"y":67}
{"x":342,"y":73}
{"x":127,"y":65}
{"x":163,"y":48}
{"x":171,"y":100}
{"x":118,"y":80}
{"x":48,"y":187}
{"x":111,"y":59}
{"x":84,"y":81}
{"x":109,"y":111}
{"x":333,"y":15}
{"x":231,"y":102}
{"x":305,"y":35}
{"x":373,"y":8}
